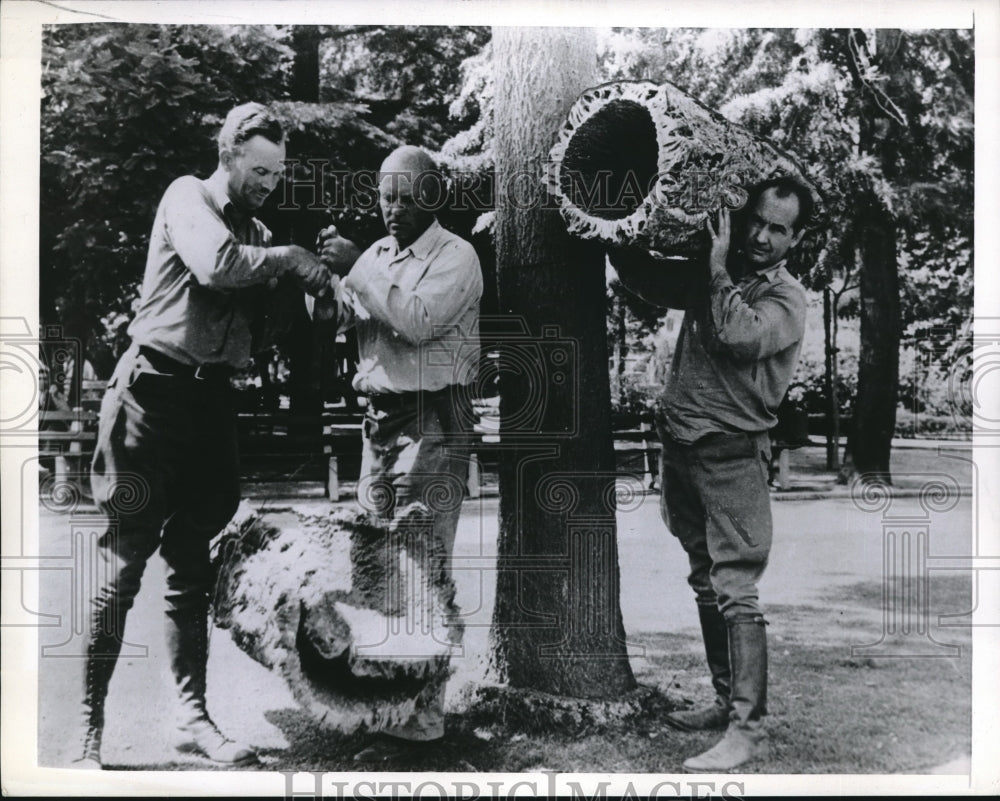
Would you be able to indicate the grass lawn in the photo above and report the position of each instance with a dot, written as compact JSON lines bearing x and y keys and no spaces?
{"x":829,"y":712}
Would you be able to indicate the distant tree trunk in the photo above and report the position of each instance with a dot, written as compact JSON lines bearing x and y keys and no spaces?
{"x":557,"y":622}
{"x":309,"y":353}
{"x":878,"y":364}
{"x":832,"y":446}
{"x":874,"y":414}
{"x":620,"y":351}
{"x":305,"y":65}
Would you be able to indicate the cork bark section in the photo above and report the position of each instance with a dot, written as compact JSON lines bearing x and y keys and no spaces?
{"x":356,"y":617}
{"x":557,"y":621}
{"x":642,"y":165}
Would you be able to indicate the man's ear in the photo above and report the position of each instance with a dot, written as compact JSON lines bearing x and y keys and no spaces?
{"x":226,"y":158}
{"x":797,"y":238}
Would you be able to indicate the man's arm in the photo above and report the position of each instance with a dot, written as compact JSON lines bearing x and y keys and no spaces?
{"x":748,"y":332}
{"x":453,"y":282}
{"x":340,"y":256}
{"x":213,"y":255}
{"x":672,"y":285}
{"x":337,"y":305}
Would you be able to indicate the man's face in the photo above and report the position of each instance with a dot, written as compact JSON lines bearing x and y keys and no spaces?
{"x":404,"y":216}
{"x":254,"y":170}
{"x":770,"y":233}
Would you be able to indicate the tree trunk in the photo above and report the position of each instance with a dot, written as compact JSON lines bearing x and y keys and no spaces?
{"x":832,"y":446}
{"x":305,"y":42}
{"x":309,"y":352}
{"x":557,"y":624}
{"x":878,"y":368}
{"x":870,"y":440}
{"x":835,"y":389}
{"x":620,"y":351}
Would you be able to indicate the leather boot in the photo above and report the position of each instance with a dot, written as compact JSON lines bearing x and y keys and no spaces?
{"x":715,"y":634}
{"x":745,"y":739}
{"x":187,"y":642}
{"x":90,"y":716}
{"x":104,"y":644}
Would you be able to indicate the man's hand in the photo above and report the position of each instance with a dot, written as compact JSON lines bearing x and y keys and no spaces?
{"x":309,"y":272}
{"x":720,"y":242}
{"x":337,"y":253}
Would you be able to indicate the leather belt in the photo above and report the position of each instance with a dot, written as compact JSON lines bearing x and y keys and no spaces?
{"x":165,"y":365}
{"x":394,"y":401}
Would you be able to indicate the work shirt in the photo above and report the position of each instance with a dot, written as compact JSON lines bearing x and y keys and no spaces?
{"x":205,"y":258}
{"x":735,"y":356}
{"x":416,"y":312}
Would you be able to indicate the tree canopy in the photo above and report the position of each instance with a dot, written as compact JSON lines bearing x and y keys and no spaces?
{"x":882,"y":119}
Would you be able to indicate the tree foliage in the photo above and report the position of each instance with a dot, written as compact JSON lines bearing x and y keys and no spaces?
{"x":126,"y":109}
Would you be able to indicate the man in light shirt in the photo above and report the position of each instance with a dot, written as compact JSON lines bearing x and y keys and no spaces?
{"x":413,"y":297}
{"x":165,"y":468}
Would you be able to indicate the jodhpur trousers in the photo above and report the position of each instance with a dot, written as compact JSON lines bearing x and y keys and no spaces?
{"x":716,"y":501}
{"x":166,"y":473}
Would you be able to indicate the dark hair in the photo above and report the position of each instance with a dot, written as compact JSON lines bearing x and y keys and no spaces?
{"x":783,"y":187}
{"x":247,"y":121}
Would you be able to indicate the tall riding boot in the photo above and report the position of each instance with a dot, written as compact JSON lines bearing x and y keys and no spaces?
{"x":187,"y":641}
{"x":716,"y":636}
{"x":745,"y":739}
{"x":104,"y":643}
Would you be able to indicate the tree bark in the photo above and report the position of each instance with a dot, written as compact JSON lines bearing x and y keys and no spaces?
{"x":557,"y":621}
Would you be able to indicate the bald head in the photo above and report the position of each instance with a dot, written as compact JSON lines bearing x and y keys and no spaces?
{"x":410,"y":188}
{"x":408,"y":158}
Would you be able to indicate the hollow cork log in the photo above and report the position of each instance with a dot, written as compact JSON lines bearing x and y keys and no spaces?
{"x":641,"y":166}
{"x":357,"y":617}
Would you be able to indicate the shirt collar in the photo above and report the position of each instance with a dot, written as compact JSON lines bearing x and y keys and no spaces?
{"x":769,"y":273}
{"x":217,"y":188}
{"x":421,"y":248}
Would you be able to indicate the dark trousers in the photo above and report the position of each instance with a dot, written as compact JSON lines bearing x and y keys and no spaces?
{"x":715,"y":500}
{"x":166,"y":473}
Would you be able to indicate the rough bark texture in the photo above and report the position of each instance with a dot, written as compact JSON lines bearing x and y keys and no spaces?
{"x":642,"y":165}
{"x":357,"y":618}
{"x":557,"y":621}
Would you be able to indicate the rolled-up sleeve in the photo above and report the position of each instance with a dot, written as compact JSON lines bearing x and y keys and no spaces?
{"x":750,"y":332}
{"x":201,"y":238}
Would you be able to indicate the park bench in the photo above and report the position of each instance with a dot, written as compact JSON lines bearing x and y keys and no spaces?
{"x":70,"y":443}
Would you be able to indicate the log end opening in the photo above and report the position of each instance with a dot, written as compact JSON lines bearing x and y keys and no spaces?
{"x":611,"y":161}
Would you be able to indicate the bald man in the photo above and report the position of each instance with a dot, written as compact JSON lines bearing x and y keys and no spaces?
{"x":413,"y":297}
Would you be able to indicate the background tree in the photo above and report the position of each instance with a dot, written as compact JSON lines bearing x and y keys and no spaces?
{"x":557,"y":620}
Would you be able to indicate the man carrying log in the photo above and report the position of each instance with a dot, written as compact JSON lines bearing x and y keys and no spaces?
{"x":737,"y":350}
{"x":165,"y":467}
{"x":414,"y":298}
